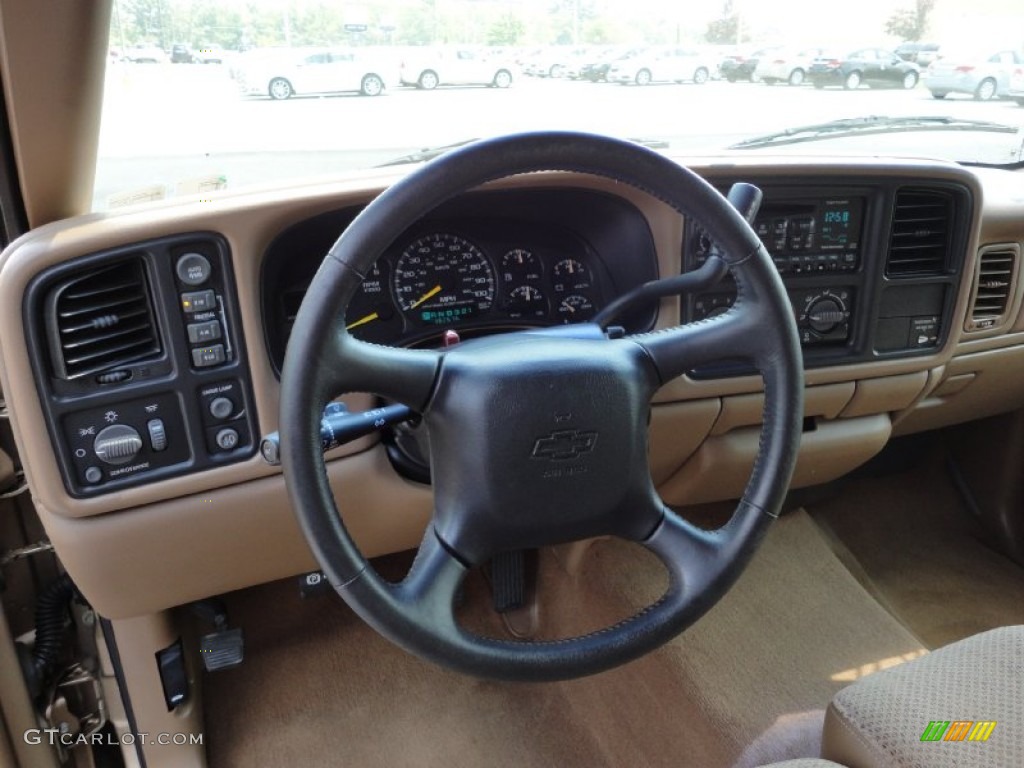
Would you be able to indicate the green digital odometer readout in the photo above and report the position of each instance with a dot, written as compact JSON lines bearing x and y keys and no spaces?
{"x":444,"y":316}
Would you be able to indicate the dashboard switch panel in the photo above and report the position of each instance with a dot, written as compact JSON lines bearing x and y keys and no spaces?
{"x":147,"y":416}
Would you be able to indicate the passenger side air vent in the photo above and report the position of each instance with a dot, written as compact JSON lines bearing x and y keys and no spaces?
{"x":919,"y":243}
{"x":994,"y":283}
{"x":100,"y":320}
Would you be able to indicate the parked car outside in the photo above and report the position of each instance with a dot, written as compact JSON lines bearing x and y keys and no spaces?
{"x":982,"y":74}
{"x":596,"y":71}
{"x":742,"y":65}
{"x":145,"y":53}
{"x":921,"y":54}
{"x":299,"y":72}
{"x":662,"y":65}
{"x":552,"y":62}
{"x":455,"y":66}
{"x":1016,"y":91}
{"x":787,"y":65}
{"x":874,"y":67}
{"x":208,"y":54}
{"x":181,"y":54}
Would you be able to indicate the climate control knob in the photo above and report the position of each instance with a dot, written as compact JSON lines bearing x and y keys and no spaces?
{"x":825,"y":314}
{"x":117,"y":444}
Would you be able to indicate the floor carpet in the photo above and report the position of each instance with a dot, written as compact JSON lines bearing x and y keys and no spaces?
{"x":914,"y":544}
{"x":747,"y":684}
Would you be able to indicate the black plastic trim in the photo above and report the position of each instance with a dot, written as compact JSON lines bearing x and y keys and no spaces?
{"x":122,"y":685}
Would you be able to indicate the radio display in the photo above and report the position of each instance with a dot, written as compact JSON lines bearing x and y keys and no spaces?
{"x":840,"y":224}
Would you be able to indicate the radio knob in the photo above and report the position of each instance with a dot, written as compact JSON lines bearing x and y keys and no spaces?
{"x":825,"y":314}
{"x":117,"y":444}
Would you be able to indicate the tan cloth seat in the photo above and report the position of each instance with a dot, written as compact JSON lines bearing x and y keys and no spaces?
{"x":880,"y":721}
{"x":805,"y":762}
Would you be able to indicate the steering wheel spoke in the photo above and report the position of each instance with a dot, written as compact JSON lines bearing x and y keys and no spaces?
{"x":404,"y":375}
{"x":675,"y":351}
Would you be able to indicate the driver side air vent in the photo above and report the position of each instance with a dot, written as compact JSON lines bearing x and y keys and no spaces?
{"x":993,"y":286}
{"x":919,"y":243}
{"x":100,"y":320}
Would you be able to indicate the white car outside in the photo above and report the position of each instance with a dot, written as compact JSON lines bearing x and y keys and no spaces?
{"x":297,"y":72}
{"x":786,"y":65}
{"x":460,"y":66}
{"x":664,"y":65}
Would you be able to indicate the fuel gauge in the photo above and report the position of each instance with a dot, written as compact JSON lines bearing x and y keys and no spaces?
{"x":520,"y":267}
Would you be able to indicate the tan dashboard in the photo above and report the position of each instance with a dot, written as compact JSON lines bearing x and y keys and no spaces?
{"x":208,"y":528}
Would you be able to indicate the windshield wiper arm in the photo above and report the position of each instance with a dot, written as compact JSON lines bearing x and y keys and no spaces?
{"x":425,"y":154}
{"x":868,"y":125}
{"x":429,"y":153}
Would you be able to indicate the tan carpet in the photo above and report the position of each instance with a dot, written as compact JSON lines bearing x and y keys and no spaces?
{"x":746,"y":685}
{"x":925,"y":555}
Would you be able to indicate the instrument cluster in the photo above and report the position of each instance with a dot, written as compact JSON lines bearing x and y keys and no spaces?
{"x":475,"y":280}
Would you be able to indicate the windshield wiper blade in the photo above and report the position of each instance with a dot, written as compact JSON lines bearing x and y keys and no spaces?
{"x":868,"y":125}
{"x":429,"y":153}
{"x":425,"y":154}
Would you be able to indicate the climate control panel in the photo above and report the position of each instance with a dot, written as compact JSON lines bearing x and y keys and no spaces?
{"x":823,"y":315}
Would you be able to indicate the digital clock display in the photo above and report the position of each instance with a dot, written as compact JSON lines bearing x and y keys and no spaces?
{"x":840,"y":224}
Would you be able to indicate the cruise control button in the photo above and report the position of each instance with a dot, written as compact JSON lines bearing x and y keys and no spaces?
{"x":204,"y":357}
{"x":200,"y":333}
{"x":193,"y":269}
{"x":227,"y":439}
{"x":198,"y":301}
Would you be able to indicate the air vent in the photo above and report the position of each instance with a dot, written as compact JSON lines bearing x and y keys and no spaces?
{"x":993,"y":286}
{"x":101,"y":320}
{"x":919,"y":244}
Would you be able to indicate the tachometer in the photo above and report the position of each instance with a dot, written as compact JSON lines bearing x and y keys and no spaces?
{"x":443,"y":278}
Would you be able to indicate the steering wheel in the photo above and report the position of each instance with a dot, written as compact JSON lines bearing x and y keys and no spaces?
{"x":538,"y":437}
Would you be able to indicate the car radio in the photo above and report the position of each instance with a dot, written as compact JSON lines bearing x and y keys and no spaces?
{"x":815,"y":243}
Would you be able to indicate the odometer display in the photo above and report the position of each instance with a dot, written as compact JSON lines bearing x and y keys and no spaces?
{"x":442,"y":278}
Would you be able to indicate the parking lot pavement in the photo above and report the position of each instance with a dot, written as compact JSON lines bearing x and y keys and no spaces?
{"x":196,"y":111}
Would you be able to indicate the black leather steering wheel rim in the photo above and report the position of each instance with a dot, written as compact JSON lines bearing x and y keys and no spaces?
{"x":479,"y":506}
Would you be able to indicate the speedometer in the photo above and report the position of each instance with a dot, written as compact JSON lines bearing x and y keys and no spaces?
{"x":443,"y":278}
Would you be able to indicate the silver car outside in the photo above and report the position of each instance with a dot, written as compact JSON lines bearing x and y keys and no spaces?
{"x":984,"y":76}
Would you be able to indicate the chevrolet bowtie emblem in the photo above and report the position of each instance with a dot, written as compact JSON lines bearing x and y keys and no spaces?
{"x":564,"y":445}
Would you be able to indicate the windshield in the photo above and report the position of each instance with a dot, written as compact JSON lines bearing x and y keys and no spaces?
{"x":202,"y":97}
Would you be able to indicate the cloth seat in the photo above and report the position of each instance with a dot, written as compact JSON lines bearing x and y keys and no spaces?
{"x":936,"y":711}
